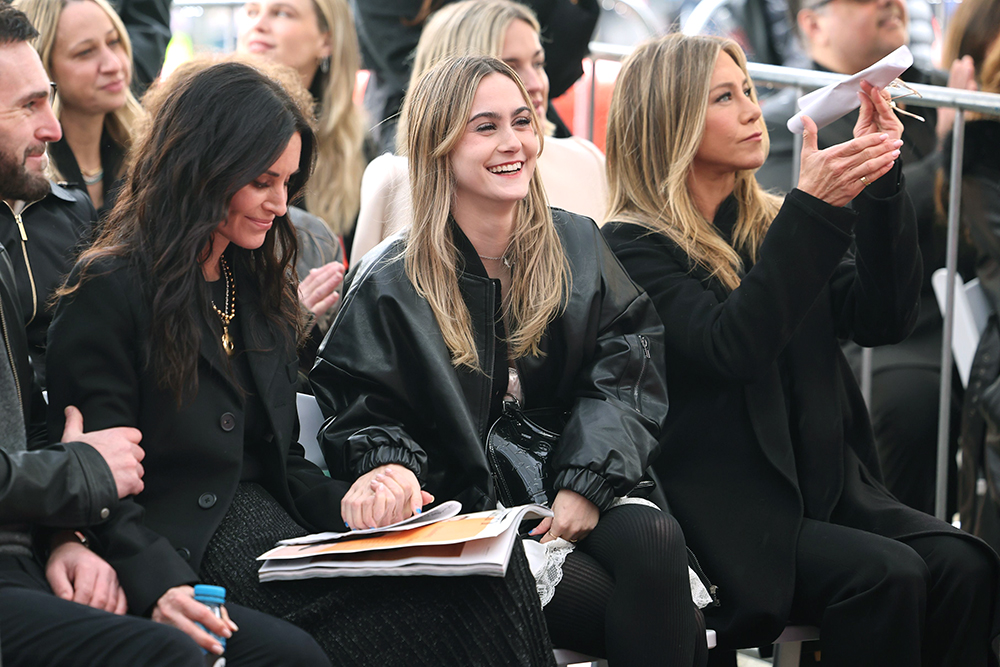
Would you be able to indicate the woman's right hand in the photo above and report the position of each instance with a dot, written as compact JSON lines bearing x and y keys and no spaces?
{"x":177,"y":607}
{"x":835,"y":174}
{"x":383,"y":496}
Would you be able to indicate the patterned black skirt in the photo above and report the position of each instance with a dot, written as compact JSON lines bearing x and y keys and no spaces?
{"x":381,"y":621}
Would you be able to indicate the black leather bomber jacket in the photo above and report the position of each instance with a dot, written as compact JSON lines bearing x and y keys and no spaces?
{"x":385,"y":375}
{"x":43,"y":239}
{"x":63,"y":485}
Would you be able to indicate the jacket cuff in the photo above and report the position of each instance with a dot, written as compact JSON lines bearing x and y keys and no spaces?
{"x":386,"y":455}
{"x":101,"y":483}
{"x":888,"y":186}
{"x":147,"y":575}
{"x":588,"y":484}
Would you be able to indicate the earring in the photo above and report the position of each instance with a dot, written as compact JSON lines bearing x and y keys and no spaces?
{"x":324,"y":65}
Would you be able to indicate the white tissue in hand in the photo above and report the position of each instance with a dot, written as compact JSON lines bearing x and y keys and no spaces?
{"x":838,"y":99}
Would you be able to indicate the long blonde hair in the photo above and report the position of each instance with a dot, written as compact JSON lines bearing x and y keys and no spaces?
{"x":435,"y":114}
{"x":334,"y":193}
{"x":655,"y":127}
{"x":44,"y":15}
{"x":468,"y":28}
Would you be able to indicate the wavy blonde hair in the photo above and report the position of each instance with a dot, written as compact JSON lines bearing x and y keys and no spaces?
{"x":468,"y":28}
{"x":435,"y":115}
{"x":44,"y":15}
{"x":655,"y":127}
{"x":335,"y":188}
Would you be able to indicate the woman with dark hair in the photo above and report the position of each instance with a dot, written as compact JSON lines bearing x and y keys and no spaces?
{"x":769,"y":459}
{"x":182,"y":321}
{"x":493,"y":298}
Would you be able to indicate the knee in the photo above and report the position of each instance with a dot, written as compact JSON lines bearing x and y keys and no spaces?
{"x":964,"y":565}
{"x":900,"y":573}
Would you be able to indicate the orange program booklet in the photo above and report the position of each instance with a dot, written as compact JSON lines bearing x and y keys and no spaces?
{"x":478,"y":543}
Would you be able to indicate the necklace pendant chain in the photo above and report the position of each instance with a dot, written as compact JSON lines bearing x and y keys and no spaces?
{"x":229,"y":313}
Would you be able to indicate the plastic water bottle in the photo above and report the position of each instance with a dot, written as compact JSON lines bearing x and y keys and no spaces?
{"x":212,"y":597}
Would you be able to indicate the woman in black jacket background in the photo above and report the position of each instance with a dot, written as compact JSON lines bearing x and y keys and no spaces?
{"x":492,"y":295}
{"x":768,"y":455}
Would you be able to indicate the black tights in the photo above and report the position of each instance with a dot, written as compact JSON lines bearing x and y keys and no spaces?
{"x":625,"y":594}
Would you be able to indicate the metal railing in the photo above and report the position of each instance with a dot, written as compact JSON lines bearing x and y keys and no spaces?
{"x":930,"y":96}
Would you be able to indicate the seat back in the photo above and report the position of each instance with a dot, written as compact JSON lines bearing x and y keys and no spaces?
{"x":310,"y":421}
{"x":972,"y":311}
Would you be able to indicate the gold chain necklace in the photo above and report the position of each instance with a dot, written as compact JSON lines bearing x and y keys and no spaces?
{"x":229,"y":313}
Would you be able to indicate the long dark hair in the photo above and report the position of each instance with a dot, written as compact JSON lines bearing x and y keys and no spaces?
{"x":214,"y":132}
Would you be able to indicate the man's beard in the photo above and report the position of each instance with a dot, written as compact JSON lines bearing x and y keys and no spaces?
{"x":17,"y":183}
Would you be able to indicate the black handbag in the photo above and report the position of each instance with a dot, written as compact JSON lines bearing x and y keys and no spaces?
{"x":518,"y":449}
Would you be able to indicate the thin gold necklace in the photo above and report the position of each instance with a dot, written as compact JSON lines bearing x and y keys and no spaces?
{"x":229,"y":313}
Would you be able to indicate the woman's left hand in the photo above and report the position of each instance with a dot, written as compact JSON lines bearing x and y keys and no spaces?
{"x":573,"y":518}
{"x":876,"y":116}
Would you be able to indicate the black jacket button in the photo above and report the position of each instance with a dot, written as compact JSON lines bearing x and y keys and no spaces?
{"x":227,"y":421}
{"x":207,"y":500}
{"x":184,"y":553}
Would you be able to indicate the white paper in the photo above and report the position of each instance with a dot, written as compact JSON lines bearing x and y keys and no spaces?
{"x":838,"y":99}
{"x":445,"y":510}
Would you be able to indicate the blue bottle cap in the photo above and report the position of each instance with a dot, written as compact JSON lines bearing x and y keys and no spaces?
{"x":207,"y":593}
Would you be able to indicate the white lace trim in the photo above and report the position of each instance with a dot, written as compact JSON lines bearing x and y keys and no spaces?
{"x":546,"y":561}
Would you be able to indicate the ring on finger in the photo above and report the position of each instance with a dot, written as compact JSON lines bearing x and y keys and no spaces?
{"x":864,"y":179}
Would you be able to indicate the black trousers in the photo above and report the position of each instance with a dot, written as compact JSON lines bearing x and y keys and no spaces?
{"x":927,"y":600}
{"x":879,"y":602}
{"x":37,"y":628}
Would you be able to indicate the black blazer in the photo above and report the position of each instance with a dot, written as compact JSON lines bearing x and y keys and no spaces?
{"x":97,"y":351}
{"x":767,"y":424}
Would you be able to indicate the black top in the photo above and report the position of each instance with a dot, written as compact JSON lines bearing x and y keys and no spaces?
{"x":112,"y":156}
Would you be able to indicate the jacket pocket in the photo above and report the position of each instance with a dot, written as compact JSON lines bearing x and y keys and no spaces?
{"x":634,"y":375}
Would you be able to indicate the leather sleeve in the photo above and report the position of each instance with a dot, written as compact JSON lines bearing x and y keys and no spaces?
{"x":67,"y":485}
{"x":613,"y":431}
{"x":99,"y":318}
{"x":357,"y":379}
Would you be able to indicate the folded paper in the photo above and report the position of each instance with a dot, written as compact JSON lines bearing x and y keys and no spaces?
{"x":838,"y":99}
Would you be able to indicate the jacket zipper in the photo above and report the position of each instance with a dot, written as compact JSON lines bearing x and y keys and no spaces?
{"x":27,"y":261}
{"x":10,"y":356}
{"x":637,"y":392}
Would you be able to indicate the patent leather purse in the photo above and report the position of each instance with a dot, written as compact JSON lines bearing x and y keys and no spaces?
{"x":518,"y":450}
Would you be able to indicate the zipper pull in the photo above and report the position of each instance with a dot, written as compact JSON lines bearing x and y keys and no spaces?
{"x":20,"y":226}
{"x":645,"y":345}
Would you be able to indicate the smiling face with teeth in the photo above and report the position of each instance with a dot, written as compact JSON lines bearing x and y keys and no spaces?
{"x":494,"y":160}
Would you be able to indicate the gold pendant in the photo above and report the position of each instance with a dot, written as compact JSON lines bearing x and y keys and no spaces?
{"x":227,"y":341}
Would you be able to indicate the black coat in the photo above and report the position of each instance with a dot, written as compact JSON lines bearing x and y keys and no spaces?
{"x":194,"y":454}
{"x":64,"y":485}
{"x":386,"y":375}
{"x":44,"y":239}
{"x":767,"y":424}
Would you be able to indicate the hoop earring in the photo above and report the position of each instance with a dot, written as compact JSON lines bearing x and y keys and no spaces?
{"x":324,"y":65}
